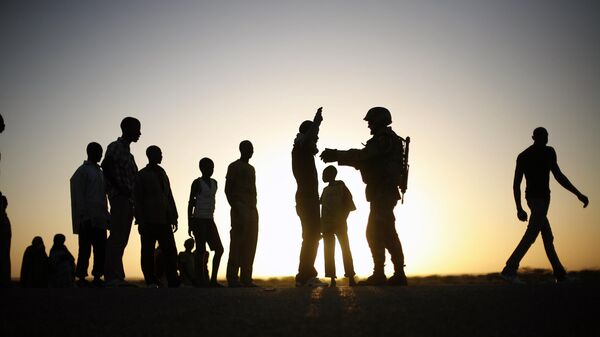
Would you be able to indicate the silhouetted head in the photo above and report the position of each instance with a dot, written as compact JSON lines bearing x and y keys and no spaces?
{"x":59,"y":240}
{"x":3,"y":203}
{"x":2,"y":126}
{"x":154,"y":155}
{"x":131,"y":129}
{"x":37,"y":241}
{"x":246,"y":150}
{"x":305,"y":126}
{"x":207,"y":167}
{"x":378,"y":118}
{"x":94,"y":152}
{"x":189,"y":244}
{"x":540,"y":136}
{"x":329,"y":174}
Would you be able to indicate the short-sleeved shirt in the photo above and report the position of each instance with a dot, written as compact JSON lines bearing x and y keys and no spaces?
{"x":536,"y":162}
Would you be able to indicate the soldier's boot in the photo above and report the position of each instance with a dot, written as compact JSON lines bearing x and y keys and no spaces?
{"x":398,"y":279}
{"x":377,"y":279}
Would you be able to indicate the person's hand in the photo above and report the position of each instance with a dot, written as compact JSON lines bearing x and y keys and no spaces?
{"x":522,"y":215}
{"x":189,"y":232}
{"x":583,"y":199}
{"x":329,"y":155}
{"x":319,"y":115}
{"x":174,"y":226}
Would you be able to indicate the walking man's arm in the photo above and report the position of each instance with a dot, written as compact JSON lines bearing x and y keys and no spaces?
{"x":521,"y":214}
{"x":564,"y":182}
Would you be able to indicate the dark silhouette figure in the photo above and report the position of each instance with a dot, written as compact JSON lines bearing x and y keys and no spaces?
{"x":240,"y":189}
{"x":536,"y":163}
{"x":119,"y":171}
{"x":186,"y":263}
{"x":307,"y":199}
{"x":35,"y":266}
{"x":5,"y":238}
{"x":380,"y":154}
{"x":89,"y":213}
{"x":201,"y":223}
{"x":2,"y":125}
{"x":156,"y":215}
{"x":62,"y":265}
{"x":337,"y":204}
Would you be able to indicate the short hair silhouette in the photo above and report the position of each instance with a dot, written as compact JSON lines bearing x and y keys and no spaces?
{"x":329,"y":173}
{"x":129,"y":124}
{"x":59,"y":239}
{"x":206,"y":163}
{"x":305,"y":126}
{"x":37,"y":241}
{"x":153,"y":153}
{"x":94,"y":151}
{"x":189,"y":243}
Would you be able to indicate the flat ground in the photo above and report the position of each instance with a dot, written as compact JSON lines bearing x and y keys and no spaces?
{"x":432,"y":306}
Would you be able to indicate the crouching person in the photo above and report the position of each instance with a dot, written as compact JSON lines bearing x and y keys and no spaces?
{"x":156,"y":215}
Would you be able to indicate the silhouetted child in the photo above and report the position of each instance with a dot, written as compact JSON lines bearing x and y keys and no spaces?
{"x":62,"y":265}
{"x":201,"y":208}
{"x":34,"y":269}
{"x":337,"y":203}
{"x":185,"y":263}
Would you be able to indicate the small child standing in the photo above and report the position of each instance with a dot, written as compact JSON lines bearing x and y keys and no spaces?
{"x":201,"y":208}
{"x":337,"y":204}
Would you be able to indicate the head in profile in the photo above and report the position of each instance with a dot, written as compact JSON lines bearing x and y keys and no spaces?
{"x":59,"y":240}
{"x":207,"y":167}
{"x":154,"y":155}
{"x":329,"y":174}
{"x":246,"y":150}
{"x":378,"y":118}
{"x":540,"y":136}
{"x":94,"y":152}
{"x":131,"y":129}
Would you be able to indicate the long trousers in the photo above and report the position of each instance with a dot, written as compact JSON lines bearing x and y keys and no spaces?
{"x":538,"y":223}
{"x":121,"y":217}
{"x":149,"y":235}
{"x":310,"y":218}
{"x":242,"y":247}
{"x":329,"y":248}
{"x":382,"y":235}
{"x":91,"y":237}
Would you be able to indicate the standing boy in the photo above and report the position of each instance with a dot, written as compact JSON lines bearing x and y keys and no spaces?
{"x":89,"y":214}
{"x":337,"y":203}
{"x":201,"y":209}
{"x":156,"y":215}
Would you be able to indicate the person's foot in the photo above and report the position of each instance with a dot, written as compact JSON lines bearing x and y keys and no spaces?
{"x":98,"y":283}
{"x":234,"y":284}
{"x":82,"y":283}
{"x":564,"y":279}
{"x":332,"y":283}
{"x":152,"y":286}
{"x":313,"y":283}
{"x":398,"y":279}
{"x":215,"y":284}
{"x":351,"y":281}
{"x":374,"y":280}
{"x":511,"y":277}
{"x":249,"y":285}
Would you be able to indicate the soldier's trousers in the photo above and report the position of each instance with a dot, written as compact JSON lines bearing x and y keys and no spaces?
{"x":382,"y":235}
{"x":538,"y":222}
{"x":242,"y":247}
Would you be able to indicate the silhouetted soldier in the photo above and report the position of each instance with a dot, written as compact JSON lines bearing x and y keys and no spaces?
{"x":201,"y":222}
{"x":374,"y":161}
{"x":337,"y":204}
{"x":240,"y":189}
{"x":536,"y":163}
{"x":62,"y":264}
{"x":156,"y":215}
{"x":89,"y":214}
{"x":307,"y":199}
{"x":119,"y":171}
{"x":5,"y":238}
{"x":35,"y":265}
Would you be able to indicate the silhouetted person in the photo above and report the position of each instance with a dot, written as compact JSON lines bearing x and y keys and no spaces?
{"x":186,"y":263}
{"x":35,"y":266}
{"x":89,"y":214}
{"x":337,"y":203}
{"x":156,"y":215}
{"x":240,"y":189}
{"x":382,"y":192}
{"x":201,"y":223}
{"x":62,"y":265}
{"x":536,"y":163}
{"x":2,"y":125}
{"x":5,"y":238}
{"x":307,"y":199}
{"x":119,"y":171}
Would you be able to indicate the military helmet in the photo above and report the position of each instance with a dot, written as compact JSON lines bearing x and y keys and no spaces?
{"x":379,"y":114}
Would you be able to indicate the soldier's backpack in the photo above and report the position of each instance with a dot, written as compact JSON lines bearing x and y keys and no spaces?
{"x":398,"y":165}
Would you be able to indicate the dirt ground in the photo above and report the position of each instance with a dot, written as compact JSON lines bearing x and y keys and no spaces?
{"x":432,"y":306}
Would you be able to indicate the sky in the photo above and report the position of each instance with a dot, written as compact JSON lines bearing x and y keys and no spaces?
{"x":468,"y":81}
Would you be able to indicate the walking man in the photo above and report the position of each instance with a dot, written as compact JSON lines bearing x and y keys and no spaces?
{"x":119,"y":171}
{"x":536,"y":163}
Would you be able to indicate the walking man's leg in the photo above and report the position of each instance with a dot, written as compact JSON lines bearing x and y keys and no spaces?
{"x":531,"y":233}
